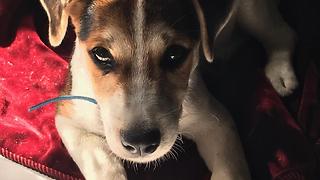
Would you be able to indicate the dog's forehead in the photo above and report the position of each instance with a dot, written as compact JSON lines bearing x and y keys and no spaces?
{"x":128,"y":16}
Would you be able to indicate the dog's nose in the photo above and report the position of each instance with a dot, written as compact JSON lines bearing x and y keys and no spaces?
{"x":141,"y":141}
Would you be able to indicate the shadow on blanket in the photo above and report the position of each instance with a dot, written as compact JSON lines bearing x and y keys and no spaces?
{"x":280,"y":136}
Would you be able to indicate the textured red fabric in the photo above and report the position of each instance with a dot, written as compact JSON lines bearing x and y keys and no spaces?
{"x":279,"y":145}
{"x":280,"y":141}
{"x":30,"y":73}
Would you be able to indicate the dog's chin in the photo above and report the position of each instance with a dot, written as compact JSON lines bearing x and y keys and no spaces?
{"x":162,"y":150}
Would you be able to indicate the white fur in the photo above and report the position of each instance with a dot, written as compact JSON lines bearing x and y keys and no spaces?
{"x":86,"y":113}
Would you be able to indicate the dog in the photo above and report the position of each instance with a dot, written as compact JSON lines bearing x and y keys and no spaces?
{"x":138,"y":59}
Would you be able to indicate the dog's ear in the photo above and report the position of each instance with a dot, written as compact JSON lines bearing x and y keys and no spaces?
{"x":220,"y":13}
{"x":58,"y":19}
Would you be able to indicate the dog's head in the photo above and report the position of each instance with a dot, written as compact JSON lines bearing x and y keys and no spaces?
{"x":139,"y":55}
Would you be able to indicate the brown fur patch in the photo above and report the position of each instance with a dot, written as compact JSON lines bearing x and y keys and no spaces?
{"x":65,"y":109}
{"x":68,"y":85}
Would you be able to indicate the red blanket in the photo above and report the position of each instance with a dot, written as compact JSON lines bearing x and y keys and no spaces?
{"x":278,"y":144}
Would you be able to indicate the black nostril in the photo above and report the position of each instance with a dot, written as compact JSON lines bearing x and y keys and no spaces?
{"x":130,"y":148}
{"x":150,"y":149}
{"x":141,"y":141}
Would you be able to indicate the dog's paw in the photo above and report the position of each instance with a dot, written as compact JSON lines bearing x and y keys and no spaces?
{"x":281,"y":74}
{"x":114,"y":171}
{"x":229,"y":176}
{"x":108,"y":175}
{"x":115,"y":176}
{"x":98,"y":164}
{"x":110,"y":172}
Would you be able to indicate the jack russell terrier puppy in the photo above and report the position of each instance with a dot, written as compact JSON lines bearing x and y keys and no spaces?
{"x":138,"y":59}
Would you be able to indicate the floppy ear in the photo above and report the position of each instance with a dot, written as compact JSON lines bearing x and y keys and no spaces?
{"x":213,"y":16}
{"x":58,"y":19}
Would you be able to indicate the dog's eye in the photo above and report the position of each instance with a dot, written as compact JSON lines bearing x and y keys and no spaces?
{"x":173,"y":57}
{"x":103,"y":59}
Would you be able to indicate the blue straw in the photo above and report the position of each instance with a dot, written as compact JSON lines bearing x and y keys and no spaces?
{"x":61,"y":98}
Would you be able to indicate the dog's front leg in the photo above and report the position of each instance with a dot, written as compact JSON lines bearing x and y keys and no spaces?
{"x":210,"y":126}
{"x":220,"y":147}
{"x":90,"y":152}
{"x":263,"y":19}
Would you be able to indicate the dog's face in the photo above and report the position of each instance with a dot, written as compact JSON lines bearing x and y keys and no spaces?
{"x":139,"y":62}
{"x":139,"y":55}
